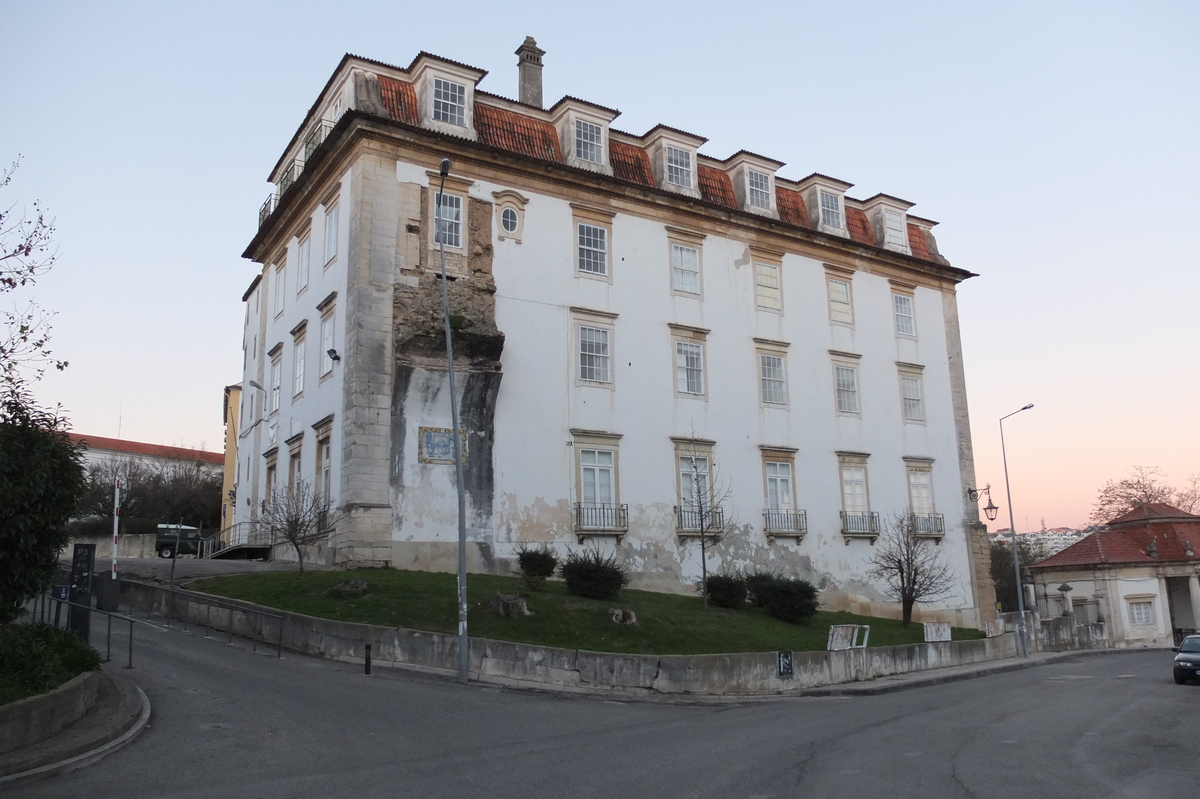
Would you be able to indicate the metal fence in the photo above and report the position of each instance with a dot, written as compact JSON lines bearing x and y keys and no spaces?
{"x":785,"y":521}
{"x":601,"y":517}
{"x":860,"y":523}
{"x":691,"y":521}
{"x":41,"y":611}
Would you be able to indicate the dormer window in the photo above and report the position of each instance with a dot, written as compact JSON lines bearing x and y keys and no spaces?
{"x":679,"y":167}
{"x":449,"y":102}
{"x":759,"y":186}
{"x":894,"y":234}
{"x":889,"y":222}
{"x":589,"y":141}
{"x":831,"y":210}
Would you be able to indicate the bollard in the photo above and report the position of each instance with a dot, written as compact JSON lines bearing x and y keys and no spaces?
{"x":368,"y":661}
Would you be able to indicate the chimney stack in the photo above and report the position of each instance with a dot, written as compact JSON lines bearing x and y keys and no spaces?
{"x":529,"y":61}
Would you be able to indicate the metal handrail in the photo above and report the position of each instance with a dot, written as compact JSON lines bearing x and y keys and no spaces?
{"x":108,"y":651}
{"x":266,"y":209}
{"x":316,"y":138}
{"x":601,"y":517}
{"x":691,"y":520}
{"x":927,"y":523}
{"x":785,"y":521}
{"x":860,"y":523}
{"x":211,"y":601}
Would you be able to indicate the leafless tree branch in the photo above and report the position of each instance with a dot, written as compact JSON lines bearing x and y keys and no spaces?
{"x":912,"y":568}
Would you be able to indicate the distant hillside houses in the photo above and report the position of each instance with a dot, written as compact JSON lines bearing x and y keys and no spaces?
{"x":1055,"y":539}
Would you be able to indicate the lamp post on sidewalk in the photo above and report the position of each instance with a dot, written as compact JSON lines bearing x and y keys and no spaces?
{"x":1012,"y":530}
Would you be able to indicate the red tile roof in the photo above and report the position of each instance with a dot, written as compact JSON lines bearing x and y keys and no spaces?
{"x":1149,"y":512}
{"x":859,"y":227}
{"x":151,"y":450}
{"x":630,"y":163}
{"x":916,"y":243}
{"x":517,"y":133}
{"x":1129,"y":546}
{"x":715,"y":186}
{"x":791,"y":207}
{"x":400,"y":99}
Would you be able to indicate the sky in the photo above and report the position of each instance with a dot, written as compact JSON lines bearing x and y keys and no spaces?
{"x":1056,"y":143}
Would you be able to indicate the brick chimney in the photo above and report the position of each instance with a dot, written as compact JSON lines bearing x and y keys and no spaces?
{"x":529,"y":61}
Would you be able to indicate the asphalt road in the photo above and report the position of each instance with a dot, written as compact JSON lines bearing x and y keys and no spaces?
{"x":231,"y":723}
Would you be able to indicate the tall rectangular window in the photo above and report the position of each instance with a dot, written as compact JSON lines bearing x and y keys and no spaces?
{"x":689,"y":367}
{"x":331,"y":233}
{"x":596,"y":477}
{"x":593,"y":249}
{"x":831,"y":210}
{"x":589,"y":141}
{"x":593,"y":354}
{"x":326,"y":343}
{"x":854,"y":489}
{"x":298,"y":367}
{"x":771,"y":374}
{"x":920,"y":491}
{"x":448,"y":214}
{"x":679,"y":167}
{"x":779,"y":485}
{"x":759,"y":186}
{"x":902,"y":309}
{"x":449,"y":102}
{"x":846,"y":378}
{"x":910,"y":392}
{"x":766,"y":286}
{"x":295,"y":476}
{"x":693,"y":484}
{"x":894,"y":234}
{"x":840,"y":305}
{"x":685,"y":269}
{"x":276,"y":382}
{"x":280,"y":283}
{"x":302,"y":260}
{"x":324,"y":468}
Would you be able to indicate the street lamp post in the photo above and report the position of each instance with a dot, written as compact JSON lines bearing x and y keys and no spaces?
{"x":1012,"y":530}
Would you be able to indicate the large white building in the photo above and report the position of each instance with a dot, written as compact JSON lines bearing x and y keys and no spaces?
{"x":628,"y":312}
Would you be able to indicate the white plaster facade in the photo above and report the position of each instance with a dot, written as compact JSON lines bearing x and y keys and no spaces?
{"x":530,"y":413}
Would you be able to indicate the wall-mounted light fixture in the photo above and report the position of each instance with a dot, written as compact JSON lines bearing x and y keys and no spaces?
{"x":333,"y":355}
{"x":990,"y":510}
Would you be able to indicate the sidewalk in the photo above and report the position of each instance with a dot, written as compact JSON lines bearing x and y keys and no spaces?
{"x":121,"y":713}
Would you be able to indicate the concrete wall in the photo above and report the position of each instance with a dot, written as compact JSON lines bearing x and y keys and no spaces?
{"x":37,"y":718}
{"x":519,"y":664}
{"x":133,"y":545}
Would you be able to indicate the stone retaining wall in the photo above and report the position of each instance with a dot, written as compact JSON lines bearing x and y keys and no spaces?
{"x":573,"y":669}
{"x":28,"y":721}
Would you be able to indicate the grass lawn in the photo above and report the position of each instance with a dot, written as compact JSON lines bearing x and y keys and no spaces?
{"x":668,"y":624}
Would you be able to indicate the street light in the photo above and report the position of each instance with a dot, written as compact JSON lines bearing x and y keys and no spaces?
{"x":1012,"y":529}
{"x":990,"y":510}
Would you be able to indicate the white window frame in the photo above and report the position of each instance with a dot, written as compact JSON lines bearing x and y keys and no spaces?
{"x":303,"y":257}
{"x":280,"y":277}
{"x":904,"y":314}
{"x":680,"y":272}
{"x":684,"y":463}
{"x":680,"y":169}
{"x":331,"y":233}
{"x":841,"y":312}
{"x":895,"y":236}
{"x":276,"y":381}
{"x":507,"y":212}
{"x":768,"y":286}
{"x":1146,"y":602}
{"x":591,"y":249}
{"x":448,"y":219}
{"x":847,"y":392}
{"x":689,"y":358}
{"x":327,"y":340}
{"x":591,"y":476}
{"x":299,"y":353}
{"x":758,"y":196}
{"x":832,"y":214}
{"x":912,"y":396}
{"x":853,"y":475}
{"x":779,"y":476}
{"x":596,"y":372}
{"x":588,"y":148}
{"x":449,"y":102}
{"x":325,"y":465}
{"x":920,"y":490}
{"x":773,"y":391}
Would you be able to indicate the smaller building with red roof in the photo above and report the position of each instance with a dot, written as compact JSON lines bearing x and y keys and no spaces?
{"x":107,"y":450}
{"x":1140,"y":575}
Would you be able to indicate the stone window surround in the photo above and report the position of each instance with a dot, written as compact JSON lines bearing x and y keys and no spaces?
{"x":904,"y":289}
{"x":685,"y":238}
{"x":844,"y":275}
{"x":690,"y":335}
{"x":590,"y":317}
{"x":457,"y":186}
{"x":766,"y":346}
{"x":768,"y":257}
{"x":597,"y":217}
{"x":847,"y":359}
{"x":601,"y":440}
{"x":507,"y":198}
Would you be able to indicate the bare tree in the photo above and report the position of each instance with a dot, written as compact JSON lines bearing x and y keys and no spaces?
{"x":163,"y":492}
{"x":703,"y":502}
{"x":26,"y":252}
{"x":912,"y":567}
{"x":299,"y":515}
{"x":1144,"y":485}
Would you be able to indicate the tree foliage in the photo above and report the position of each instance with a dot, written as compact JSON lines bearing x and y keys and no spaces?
{"x":161,"y":492}
{"x":1144,"y":485}
{"x":912,"y":567}
{"x":1029,"y":551}
{"x":41,"y":480}
{"x":299,"y":515}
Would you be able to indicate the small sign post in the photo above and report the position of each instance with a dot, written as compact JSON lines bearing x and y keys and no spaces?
{"x":83,"y":564}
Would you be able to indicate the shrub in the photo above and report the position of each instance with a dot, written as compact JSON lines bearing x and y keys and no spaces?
{"x":34,"y":658}
{"x":536,"y":565}
{"x":758,"y":586}
{"x":791,"y":600}
{"x":727,"y":591}
{"x":592,"y":575}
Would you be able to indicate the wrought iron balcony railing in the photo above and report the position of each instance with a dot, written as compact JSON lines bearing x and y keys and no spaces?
{"x":787,"y":522}
{"x":264,"y":211}
{"x":709,"y":520}
{"x":289,"y":176}
{"x":315,"y":139}
{"x":599,"y":518}
{"x":929,"y":524}
{"x":860,"y":524}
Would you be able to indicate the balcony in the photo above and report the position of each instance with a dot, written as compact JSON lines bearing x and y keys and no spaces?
{"x":699,"y":523}
{"x":927,"y":525}
{"x":601,"y":520}
{"x":315,"y":139}
{"x":787,"y":523}
{"x":289,"y":176}
{"x":267,"y":208}
{"x":860,"y":525}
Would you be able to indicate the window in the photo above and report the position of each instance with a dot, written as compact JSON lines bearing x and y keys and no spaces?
{"x":920,"y":491}
{"x":779,"y":485}
{"x":449,"y":102}
{"x":302,"y":259}
{"x":1141,"y":612}
{"x":509,"y":220}
{"x":298,"y":366}
{"x":831,"y":210}
{"x":295,"y":476}
{"x":773,"y":381}
{"x":841,"y":309}
{"x":854,"y":489}
{"x":685,"y":269}
{"x":693,"y":483}
{"x":280,"y":281}
{"x":902,"y":307}
{"x":593,"y":249}
{"x":766,"y":286}
{"x":910,"y":394}
{"x":270,"y":484}
{"x":589,"y":141}
{"x":846,"y":380}
{"x":324,"y":468}
{"x":510,"y":214}
{"x":894,"y":235}
{"x":679,"y":167}
{"x":331,"y":234}
{"x":276,"y":381}
{"x":596,"y":468}
{"x":759,"y":185}
{"x":689,"y":367}
{"x":448,"y":219}
{"x":327,"y":342}
{"x":593,"y":354}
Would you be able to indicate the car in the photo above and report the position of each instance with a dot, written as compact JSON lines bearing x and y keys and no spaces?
{"x":1187,"y":662}
{"x":176,"y":540}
